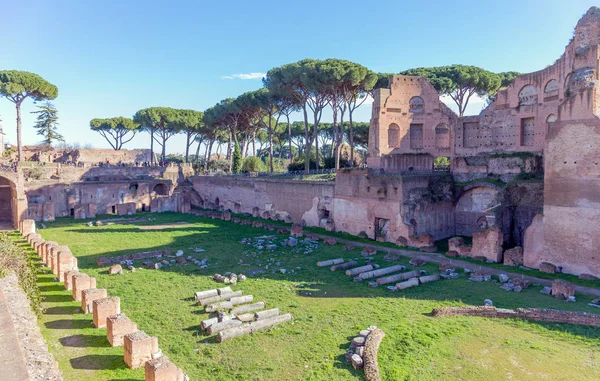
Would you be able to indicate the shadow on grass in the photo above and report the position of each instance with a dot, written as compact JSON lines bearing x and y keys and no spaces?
{"x":62,"y":310}
{"x":84,"y":341}
{"x":98,"y":362}
{"x":68,"y":324}
{"x":50,"y":288}
{"x":57,"y":298}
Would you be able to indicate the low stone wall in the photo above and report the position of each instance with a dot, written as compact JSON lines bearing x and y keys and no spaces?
{"x":537,"y":314}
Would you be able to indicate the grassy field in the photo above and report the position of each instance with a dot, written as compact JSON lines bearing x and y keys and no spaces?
{"x":328,"y":309}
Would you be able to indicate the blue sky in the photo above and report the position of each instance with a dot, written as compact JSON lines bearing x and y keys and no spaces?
{"x":112,"y":58}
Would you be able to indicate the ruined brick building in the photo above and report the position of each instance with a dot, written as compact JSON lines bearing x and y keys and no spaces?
{"x":524,"y":172}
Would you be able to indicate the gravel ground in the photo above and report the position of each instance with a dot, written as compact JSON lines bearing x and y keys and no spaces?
{"x":40,"y":363}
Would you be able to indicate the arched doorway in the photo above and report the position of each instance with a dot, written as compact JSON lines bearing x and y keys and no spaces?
{"x":8,"y":207}
{"x":474,"y":208}
{"x":161,"y":189}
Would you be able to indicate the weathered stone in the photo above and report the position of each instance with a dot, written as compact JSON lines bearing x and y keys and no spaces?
{"x":115,"y":270}
{"x":296,"y":230}
{"x":368,"y":251}
{"x":402,"y":241}
{"x":562,"y":289}
{"x":587,"y":277}
{"x":80,"y":282}
{"x":422,"y":240}
{"x":330,"y":241}
{"x":514,"y":256}
{"x":428,"y":249}
{"x":88,"y":296}
{"x":546,"y":290}
{"x":160,"y":369}
{"x":139,"y":348}
{"x":452,"y":253}
{"x":117,"y":326}
{"x":488,"y":243}
{"x":547,"y":267}
{"x":103,"y":308}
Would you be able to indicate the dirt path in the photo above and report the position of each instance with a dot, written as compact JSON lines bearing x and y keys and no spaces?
{"x":439,"y":258}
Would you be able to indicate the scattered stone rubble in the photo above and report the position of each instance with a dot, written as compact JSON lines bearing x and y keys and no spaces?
{"x":362,"y":353}
{"x":229,"y":278}
{"x":236,"y":314}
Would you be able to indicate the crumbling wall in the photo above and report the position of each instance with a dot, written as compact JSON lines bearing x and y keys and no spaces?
{"x":292,"y":201}
{"x":537,"y":314}
{"x":518,"y":205}
{"x":572,"y":197}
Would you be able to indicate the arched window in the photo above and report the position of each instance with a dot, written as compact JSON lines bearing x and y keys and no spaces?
{"x":393,"y":135}
{"x":551,"y":86}
{"x":442,"y":136}
{"x":550,"y":121}
{"x":416,"y":105}
{"x":528,"y":96}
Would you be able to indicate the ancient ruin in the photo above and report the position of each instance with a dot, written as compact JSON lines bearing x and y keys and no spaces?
{"x":481,"y":199}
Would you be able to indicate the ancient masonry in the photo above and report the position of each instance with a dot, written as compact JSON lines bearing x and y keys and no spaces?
{"x":543,"y":125}
{"x":140,"y":350}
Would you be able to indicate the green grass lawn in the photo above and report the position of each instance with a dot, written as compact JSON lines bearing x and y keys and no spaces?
{"x":328,"y":309}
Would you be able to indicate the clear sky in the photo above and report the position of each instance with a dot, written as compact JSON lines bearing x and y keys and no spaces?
{"x":111,"y":58}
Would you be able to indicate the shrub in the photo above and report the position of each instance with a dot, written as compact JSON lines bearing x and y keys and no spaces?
{"x":36,"y":173}
{"x":237,"y":159}
{"x":219,"y":165}
{"x":254,"y":164}
{"x":13,"y":258}
{"x":329,"y":162}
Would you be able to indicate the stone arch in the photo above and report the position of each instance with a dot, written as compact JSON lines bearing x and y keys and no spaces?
{"x":550,"y":121}
{"x":527,"y":95}
{"x":474,"y":206}
{"x":393,"y":135}
{"x":551,"y":87}
{"x":161,"y":189}
{"x":416,"y":105}
{"x":8,"y":203}
{"x":442,"y":136}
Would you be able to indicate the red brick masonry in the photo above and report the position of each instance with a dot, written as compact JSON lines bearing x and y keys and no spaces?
{"x":538,"y":314}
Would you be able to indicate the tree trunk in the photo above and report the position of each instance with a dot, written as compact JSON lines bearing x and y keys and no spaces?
{"x":152,"y":145}
{"x":270,"y":146}
{"x":334,"y":145}
{"x":290,"y":137}
{"x":19,"y":147}
{"x":339,"y":140}
{"x":307,"y":145}
{"x":316,"y":137}
{"x":187,"y":147}
{"x":198,"y":149}
{"x":164,"y":147}
{"x":351,"y":137}
{"x":207,"y":161}
{"x":254,"y":142}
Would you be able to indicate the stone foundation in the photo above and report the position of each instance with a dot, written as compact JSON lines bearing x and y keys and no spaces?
{"x":538,"y":314}
{"x":81,"y":282}
{"x":117,"y":326}
{"x":88,"y":296}
{"x":105,"y":307}
{"x":160,"y":369}
{"x":139,"y":348}
{"x":488,"y":243}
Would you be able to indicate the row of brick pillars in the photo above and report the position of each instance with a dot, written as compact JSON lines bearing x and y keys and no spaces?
{"x":139,"y":348}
